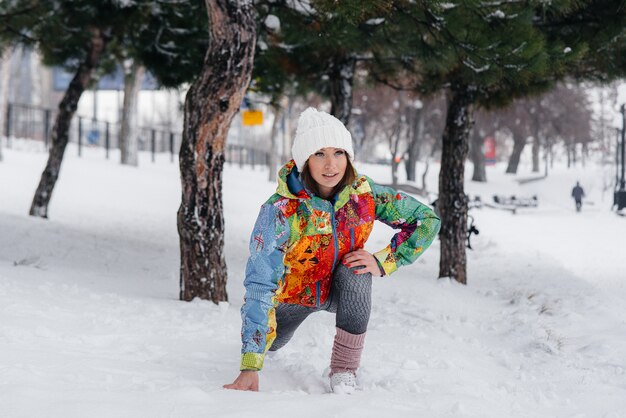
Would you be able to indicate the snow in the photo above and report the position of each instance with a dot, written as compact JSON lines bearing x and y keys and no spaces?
{"x":90,"y":324}
{"x":447,"y":6}
{"x":126,"y":3}
{"x":272,"y":22}
{"x":468,"y":63}
{"x":498,"y":14}
{"x":301,"y":6}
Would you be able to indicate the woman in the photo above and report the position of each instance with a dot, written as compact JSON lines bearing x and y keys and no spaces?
{"x":306,"y":250}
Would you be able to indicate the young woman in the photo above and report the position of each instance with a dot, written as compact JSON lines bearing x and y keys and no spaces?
{"x":306,"y":250}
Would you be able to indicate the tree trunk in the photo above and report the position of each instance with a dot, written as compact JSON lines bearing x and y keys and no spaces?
{"x":478,"y":157}
{"x":536,"y":147}
{"x":394,"y":172}
{"x":359,"y":135}
{"x":568,"y":150}
{"x":424,"y":175}
{"x":412,"y":154}
{"x":436,"y":147}
{"x":133,"y":78}
{"x":211,"y":103}
{"x":519,"y":142}
{"x":288,"y":128}
{"x":545,"y":158}
{"x":452,"y":202}
{"x":5,"y":69}
{"x":394,"y":146}
{"x":273,"y":154}
{"x":341,"y":76}
{"x":60,"y":131}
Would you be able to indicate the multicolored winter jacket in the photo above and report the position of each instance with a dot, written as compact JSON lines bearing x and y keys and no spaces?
{"x":299,"y":238}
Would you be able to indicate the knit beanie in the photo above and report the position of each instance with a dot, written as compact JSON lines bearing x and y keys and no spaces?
{"x":317,"y":130}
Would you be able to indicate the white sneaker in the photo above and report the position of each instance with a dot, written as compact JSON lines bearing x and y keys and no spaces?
{"x":343,"y":383}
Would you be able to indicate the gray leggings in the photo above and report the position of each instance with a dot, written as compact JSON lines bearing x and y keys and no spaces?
{"x":350,"y":298}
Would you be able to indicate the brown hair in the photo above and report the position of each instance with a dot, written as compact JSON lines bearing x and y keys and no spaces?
{"x":309,"y":182}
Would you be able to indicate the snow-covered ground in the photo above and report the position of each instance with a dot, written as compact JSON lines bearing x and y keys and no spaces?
{"x":90,"y":324}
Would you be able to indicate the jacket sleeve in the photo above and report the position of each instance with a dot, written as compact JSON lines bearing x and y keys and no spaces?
{"x":418,"y":226}
{"x":264,"y":270}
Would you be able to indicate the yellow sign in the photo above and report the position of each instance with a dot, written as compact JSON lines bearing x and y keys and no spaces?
{"x":252,"y":117}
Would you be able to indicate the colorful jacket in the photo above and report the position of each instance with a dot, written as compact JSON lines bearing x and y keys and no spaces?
{"x":299,"y":238}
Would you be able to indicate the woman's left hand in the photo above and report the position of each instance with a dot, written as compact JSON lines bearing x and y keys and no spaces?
{"x":360,"y":262}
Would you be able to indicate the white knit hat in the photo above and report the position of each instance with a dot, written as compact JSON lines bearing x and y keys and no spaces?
{"x":317,"y":130}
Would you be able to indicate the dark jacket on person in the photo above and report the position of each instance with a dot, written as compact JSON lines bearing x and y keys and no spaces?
{"x":578,"y":193}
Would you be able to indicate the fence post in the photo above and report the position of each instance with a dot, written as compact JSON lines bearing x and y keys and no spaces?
{"x":80,"y":136}
{"x":46,"y":127}
{"x":171,"y":147}
{"x":7,"y":127}
{"x":107,"y":144}
{"x":153,"y":143}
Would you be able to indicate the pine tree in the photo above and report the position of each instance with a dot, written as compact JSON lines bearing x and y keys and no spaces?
{"x":483,"y":126}
{"x":486,"y":54}
{"x":75,"y":34}
{"x":316,"y":47}
{"x":88,"y":37}
{"x":211,"y":102}
{"x":168,"y":39}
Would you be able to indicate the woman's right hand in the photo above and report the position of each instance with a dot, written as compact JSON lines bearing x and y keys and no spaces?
{"x":247,"y":380}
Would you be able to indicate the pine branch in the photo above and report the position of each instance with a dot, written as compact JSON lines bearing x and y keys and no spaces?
{"x":21,"y":35}
{"x":20,"y":12}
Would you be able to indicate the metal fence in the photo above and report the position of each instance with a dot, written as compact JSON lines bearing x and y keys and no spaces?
{"x":238,"y":154}
{"x":24,"y":121}
{"x":33,"y":122}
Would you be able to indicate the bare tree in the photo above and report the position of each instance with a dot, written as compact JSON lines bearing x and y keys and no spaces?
{"x":129,"y":129}
{"x":273,"y":154}
{"x":415,"y":135}
{"x":60,"y":131}
{"x":394,"y":138}
{"x":571,"y":117}
{"x":562,"y":114}
{"x":407,"y":124}
{"x":516,"y":121}
{"x":381,"y":117}
{"x":5,"y":60}
{"x":486,"y":123}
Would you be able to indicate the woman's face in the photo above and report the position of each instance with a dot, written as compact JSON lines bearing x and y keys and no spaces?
{"x":327,"y":167}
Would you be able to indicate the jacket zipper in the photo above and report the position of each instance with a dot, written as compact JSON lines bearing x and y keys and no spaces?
{"x":335,"y":240}
{"x":336,"y":252}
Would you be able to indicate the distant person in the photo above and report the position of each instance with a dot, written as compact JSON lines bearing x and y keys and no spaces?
{"x":578,"y":193}
{"x":306,"y":250}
